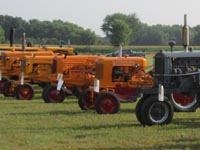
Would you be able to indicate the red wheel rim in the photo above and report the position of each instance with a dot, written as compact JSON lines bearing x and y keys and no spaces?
{"x":25,"y":92}
{"x":88,"y":103}
{"x":183,"y":99}
{"x":54,"y":95}
{"x":8,"y":89}
{"x":108,"y":105}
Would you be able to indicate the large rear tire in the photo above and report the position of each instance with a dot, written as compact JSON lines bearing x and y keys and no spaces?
{"x":107,"y":103}
{"x":8,"y":89}
{"x":43,"y":93}
{"x":156,"y":112}
{"x":76,"y":91}
{"x":185,"y":102}
{"x":2,"y":81}
{"x":85,"y":102}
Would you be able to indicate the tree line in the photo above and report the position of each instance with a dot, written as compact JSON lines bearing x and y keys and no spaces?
{"x":118,"y":28}
{"x":45,"y":32}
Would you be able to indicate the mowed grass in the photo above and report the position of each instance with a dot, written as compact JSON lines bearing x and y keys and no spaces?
{"x":35,"y":125}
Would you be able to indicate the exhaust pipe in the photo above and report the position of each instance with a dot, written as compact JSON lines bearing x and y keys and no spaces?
{"x":120,"y":51}
{"x":12,"y":36}
{"x":185,"y":34}
{"x":24,"y":42}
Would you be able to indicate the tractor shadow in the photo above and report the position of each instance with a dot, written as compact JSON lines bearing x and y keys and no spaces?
{"x":47,"y":113}
{"x":186,"y":123}
{"x":180,"y":145}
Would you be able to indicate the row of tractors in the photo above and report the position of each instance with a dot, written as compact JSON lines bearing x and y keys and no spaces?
{"x":101,"y":83}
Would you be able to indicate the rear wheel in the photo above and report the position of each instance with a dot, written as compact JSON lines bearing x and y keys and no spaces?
{"x":43,"y":93}
{"x":187,"y":100}
{"x":52,"y":95}
{"x":2,"y":81}
{"x":156,"y":112}
{"x":85,"y":101}
{"x":76,"y":91}
{"x":107,"y":103}
{"x":8,"y":89}
{"x":184,"y":102}
{"x":24,"y":92}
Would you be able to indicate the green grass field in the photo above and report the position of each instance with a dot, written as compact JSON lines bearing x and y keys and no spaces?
{"x":35,"y":125}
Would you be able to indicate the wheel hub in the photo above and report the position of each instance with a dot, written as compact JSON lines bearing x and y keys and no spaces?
{"x":158,"y":112}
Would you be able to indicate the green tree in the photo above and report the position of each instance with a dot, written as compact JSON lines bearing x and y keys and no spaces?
{"x":88,"y":37}
{"x":2,"y":35}
{"x":7,"y":22}
{"x":131,"y":20}
{"x":119,"y":33}
{"x":196,"y":39}
{"x":47,"y":32}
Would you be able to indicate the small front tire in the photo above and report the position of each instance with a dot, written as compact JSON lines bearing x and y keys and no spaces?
{"x":107,"y":103}
{"x":156,"y":112}
{"x":24,"y":91}
{"x":52,"y":95}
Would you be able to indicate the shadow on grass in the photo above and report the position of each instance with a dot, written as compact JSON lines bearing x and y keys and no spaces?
{"x":36,"y":99}
{"x":114,"y":148}
{"x":47,"y":113}
{"x":183,"y":143}
{"x":187,"y":122}
{"x":106,"y":126}
{"x":159,"y":147}
{"x":128,"y":110}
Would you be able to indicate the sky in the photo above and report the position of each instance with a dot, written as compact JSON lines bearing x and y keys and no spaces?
{"x":90,"y":13}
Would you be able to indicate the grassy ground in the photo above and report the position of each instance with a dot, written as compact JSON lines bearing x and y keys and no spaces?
{"x":35,"y":125}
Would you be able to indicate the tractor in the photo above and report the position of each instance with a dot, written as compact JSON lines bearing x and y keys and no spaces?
{"x":70,"y":74}
{"x":34,"y":70}
{"x":28,"y":47}
{"x":176,"y":84}
{"x":176,"y":87}
{"x":13,"y":54}
{"x":61,"y":50}
{"x":117,"y":79}
{"x":10,"y":66}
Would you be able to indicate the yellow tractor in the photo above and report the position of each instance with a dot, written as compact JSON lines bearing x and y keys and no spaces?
{"x":69,"y":74}
{"x":34,"y":70}
{"x":117,"y":79}
{"x":10,"y":66}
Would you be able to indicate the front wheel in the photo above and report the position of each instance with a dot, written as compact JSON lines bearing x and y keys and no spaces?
{"x":107,"y":103}
{"x":156,"y":112}
{"x":52,"y":95}
{"x":24,"y":92}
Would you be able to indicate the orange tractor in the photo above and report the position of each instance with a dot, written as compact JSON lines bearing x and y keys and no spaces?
{"x":34,"y":70}
{"x":63,"y":50}
{"x":69,"y":74}
{"x":11,"y":56}
{"x":116,"y":79}
{"x":10,"y":66}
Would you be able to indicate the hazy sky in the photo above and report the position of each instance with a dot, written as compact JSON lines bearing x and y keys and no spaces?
{"x":90,"y":13}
